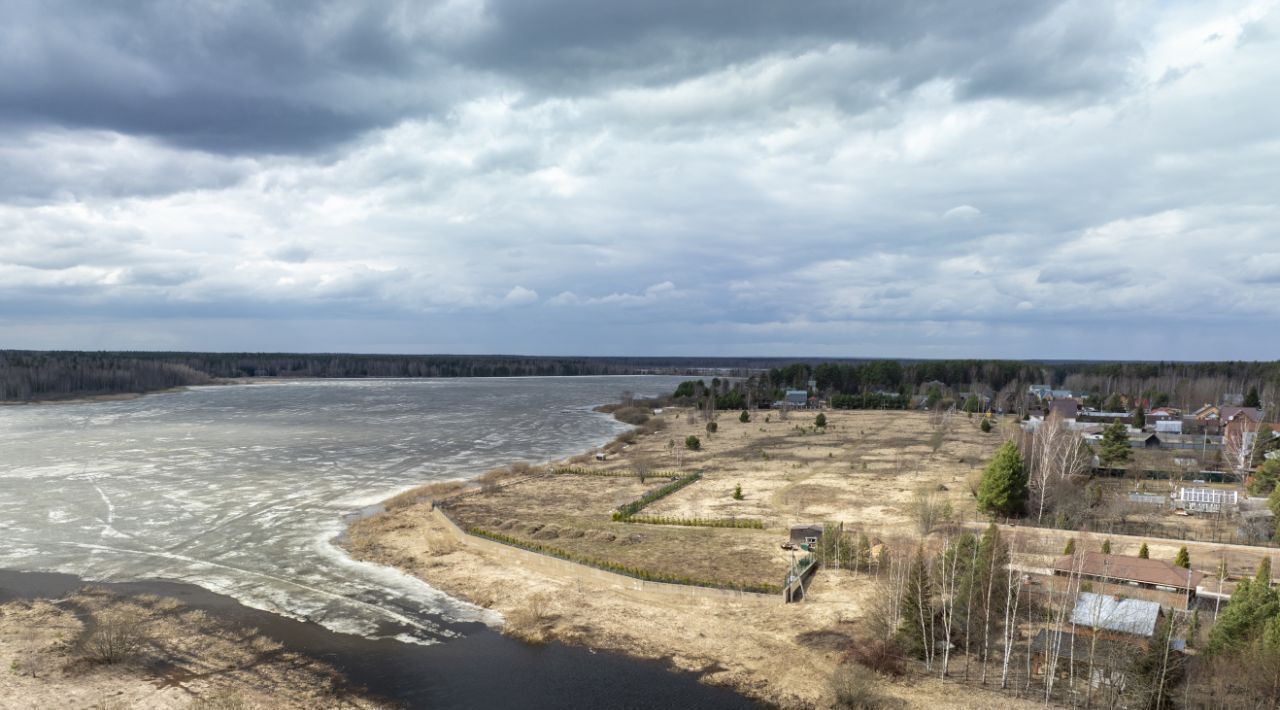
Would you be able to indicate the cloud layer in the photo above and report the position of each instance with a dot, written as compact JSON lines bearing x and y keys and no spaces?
{"x":1057,"y":179}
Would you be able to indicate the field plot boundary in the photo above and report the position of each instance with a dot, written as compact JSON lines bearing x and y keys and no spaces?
{"x":560,"y":567}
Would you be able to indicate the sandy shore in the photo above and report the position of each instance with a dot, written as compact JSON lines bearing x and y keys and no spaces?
{"x":780,"y":654}
{"x":51,"y":656}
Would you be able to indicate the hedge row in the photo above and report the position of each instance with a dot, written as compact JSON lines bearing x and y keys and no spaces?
{"x":615,"y":473}
{"x":624,"y":513}
{"x":698,"y":522}
{"x":627,"y":570}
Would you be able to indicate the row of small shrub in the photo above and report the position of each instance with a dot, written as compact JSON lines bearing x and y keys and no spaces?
{"x":698,"y":522}
{"x":627,"y":570}
{"x":625,"y":512}
{"x":612,"y":473}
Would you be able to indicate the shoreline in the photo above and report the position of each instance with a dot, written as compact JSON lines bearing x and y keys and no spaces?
{"x":772,"y":653}
{"x":184,"y":644}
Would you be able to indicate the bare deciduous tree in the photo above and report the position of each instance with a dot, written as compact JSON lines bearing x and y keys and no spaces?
{"x":929,"y":510}
{"x":117,"y":636}
{"x":1056,"y":454}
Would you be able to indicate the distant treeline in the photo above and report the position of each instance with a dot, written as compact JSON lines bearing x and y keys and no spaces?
{"x":31,"y":375}
{"x":27,"y":377}
{"x":891,"y":384}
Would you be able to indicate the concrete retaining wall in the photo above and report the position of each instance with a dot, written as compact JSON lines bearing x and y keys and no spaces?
{"x":620,"y":583}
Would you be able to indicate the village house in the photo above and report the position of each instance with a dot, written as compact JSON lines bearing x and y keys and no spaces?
{"x":1068,"y":409}
{"x":796,"y":398}
{"x":1106,"y":631}
{"x":808,"y":534}
{"x":1153,"y":580}
{"x":1162,"y":414}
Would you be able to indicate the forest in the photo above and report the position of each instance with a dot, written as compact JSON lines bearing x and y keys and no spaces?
{"x":49,"y":375}
{"x":27,"y":376}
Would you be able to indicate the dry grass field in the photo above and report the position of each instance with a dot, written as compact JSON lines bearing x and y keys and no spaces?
{"x":572,"y":513}
{"x":862,"y":471}
{"x":94,"y":650}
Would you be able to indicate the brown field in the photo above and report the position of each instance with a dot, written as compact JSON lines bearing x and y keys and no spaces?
{"x":861,"y":471}
{"x":572,"y":513}
{"x":183,"y":658}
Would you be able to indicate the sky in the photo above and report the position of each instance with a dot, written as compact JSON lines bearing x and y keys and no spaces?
{"x":989,"y":178}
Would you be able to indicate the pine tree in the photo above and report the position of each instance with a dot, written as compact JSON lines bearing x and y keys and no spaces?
{"x":820,"y":421}
{"x":862,"y":553}
{"x":1003,"y":489}
{"x":1183,"y":558}
{"x":1139,"y":417}
{"x":1252,"y":399}
{"x":1070,"y":549}
{"x":1144,"y":553}
{"x":1106,"y":546}
{"x":744,"y":417}
{"x":1115,"y":447}
{"x":917,"y":610}
{"x":1242,"y":620}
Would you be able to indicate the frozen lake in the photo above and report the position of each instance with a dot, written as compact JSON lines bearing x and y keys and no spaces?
{"x":241,"y":489}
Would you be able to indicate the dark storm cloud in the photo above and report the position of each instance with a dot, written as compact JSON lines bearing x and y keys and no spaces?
{"x":237,"y":77}
{"x":292,"y":77}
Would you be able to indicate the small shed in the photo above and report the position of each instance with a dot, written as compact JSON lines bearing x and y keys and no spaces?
{"x":796,"y":398}
{"x":806,"y":534}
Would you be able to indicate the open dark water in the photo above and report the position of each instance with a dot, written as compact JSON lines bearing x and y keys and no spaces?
{"x":479,"y":669}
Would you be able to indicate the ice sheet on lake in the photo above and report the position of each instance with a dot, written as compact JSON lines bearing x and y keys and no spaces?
{"x":241,"y":489}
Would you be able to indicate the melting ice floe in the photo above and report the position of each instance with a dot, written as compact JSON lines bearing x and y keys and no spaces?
{"x":242,"y":489}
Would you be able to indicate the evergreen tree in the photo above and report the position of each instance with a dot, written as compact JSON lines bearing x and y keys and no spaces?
{"x":1106,"y":546}
{"x":985,"y":426}
{"x":1264,"y":480}
{"x":1143,"y":552}
{"x":1070,"y":549}
{"x":1158,"y":670}
{"x":744,"y":417}
{"x":1253,"y":603}
{"x":1252,"y":399}
{"x":862,"y":552}
{"x":1115,"y":447}
{"x":1003,"y":489}
{"x":1273,"y":502}
{"x":1139,"y":418}
{"x":820,"y":421}
{"x":917,"y":608}
{"x":1183,"y":559}
{"x":1115,"y":403}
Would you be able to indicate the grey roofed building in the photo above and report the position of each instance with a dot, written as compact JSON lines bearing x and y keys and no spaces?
{"x":1122,"y":615}
{"x":806,"y":533}
{"x":796,"y":398}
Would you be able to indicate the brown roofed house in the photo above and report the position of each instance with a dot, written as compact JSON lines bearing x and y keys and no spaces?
{"x":1121,"y":570}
